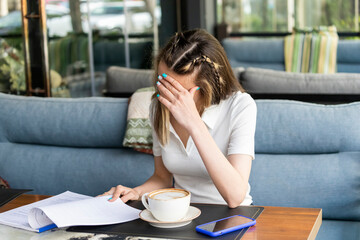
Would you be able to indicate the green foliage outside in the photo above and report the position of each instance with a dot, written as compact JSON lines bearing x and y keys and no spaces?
{"x":272,"y":15}
{"x":339,"y":13}
{"x":12,"y":70}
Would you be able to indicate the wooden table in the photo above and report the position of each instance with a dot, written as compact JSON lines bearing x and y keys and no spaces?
{"x":274,"y":223}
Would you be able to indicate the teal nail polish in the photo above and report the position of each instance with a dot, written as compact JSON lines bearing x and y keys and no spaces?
{"x":198,"y":88}
{"x":158,"y":95}
{"x":158,"y":83}
{"x":110,"y":198}
{"x":164,"y":75}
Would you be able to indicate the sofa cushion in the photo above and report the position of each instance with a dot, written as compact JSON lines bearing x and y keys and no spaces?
{"x":86,"y":122}
{"x":138,"y":133}
{"x":338,"y":230}
{"x":348,"y":52}
{"x":254,"y":51}
{"x":238,"y":71}
{"x":292,"y":127}
{"x":269,"y":53}
{"x":257,"y":80}
{"x":308,"y":155}
{"x":52,"y":170}
{"x":327,"y":181}
{"x":125,"y":80}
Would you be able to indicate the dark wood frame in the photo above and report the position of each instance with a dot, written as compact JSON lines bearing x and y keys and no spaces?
{"x":36,"y":69}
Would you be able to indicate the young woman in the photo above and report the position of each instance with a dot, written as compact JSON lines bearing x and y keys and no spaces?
{"x":203,"y":125}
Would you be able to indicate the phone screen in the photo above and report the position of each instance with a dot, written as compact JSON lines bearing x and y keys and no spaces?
{"x":226,"y":223}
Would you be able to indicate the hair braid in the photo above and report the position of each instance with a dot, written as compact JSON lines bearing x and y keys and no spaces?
{"x":214,"y":67}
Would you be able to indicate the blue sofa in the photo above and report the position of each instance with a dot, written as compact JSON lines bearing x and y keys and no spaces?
{"x":307,"y":155}
{"x":259,"y":66}
{"x":269,"y":53}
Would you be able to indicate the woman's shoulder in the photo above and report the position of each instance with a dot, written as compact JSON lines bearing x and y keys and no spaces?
{"x":240,"y":105}
{"x":240,"y":100}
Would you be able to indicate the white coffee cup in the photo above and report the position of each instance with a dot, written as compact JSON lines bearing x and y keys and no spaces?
{"x":167,"y":205}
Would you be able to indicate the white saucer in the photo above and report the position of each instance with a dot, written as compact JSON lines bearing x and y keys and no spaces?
{"x":192,"y":213}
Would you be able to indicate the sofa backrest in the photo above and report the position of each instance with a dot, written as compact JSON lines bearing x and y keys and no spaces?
{"x":308,"y":155}
{"x":269,"y":53}
{"x":89,"y":122}
{"x":260,"y":80}
{"x":120,"y":80}
{"x":52,"y":145}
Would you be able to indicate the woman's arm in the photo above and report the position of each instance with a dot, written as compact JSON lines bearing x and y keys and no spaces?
{"x":161,"y":178}
{"x":230,"y":175}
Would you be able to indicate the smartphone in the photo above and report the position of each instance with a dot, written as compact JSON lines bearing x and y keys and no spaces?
{"x":225,"y":225}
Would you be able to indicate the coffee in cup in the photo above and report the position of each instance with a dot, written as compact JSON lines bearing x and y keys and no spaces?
{"x":167,"y":205}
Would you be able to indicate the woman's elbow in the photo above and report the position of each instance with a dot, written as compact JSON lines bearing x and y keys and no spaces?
{"x":234,"y":204}
{"x":235,"y":201}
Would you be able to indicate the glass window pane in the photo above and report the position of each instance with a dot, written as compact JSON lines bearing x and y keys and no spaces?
{"x":283,"y":15}
{"x":256,"y":15}
{"x":12,"y":69}
{"x":68,"y":28}
{"x":340,"y":13}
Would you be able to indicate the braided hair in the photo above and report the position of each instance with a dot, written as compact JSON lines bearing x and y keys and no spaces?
{"x":214,"y":67}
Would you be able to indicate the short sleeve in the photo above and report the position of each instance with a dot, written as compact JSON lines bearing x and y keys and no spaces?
{"x":243,"y":124}
{"x":156,"y":145}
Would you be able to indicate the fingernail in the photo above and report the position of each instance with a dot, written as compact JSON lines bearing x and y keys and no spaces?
{"x":160,"y":77}
{"x":198,"y":88}
{"x":164,"y":75}
{"x":158,"y":83}
{"x":158,"y":95}
{"x":109,"y":198}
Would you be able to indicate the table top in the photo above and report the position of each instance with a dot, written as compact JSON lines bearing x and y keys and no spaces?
{"x":274,"y":223}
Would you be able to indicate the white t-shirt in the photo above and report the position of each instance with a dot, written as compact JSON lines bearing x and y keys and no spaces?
{"x":231,"y":123}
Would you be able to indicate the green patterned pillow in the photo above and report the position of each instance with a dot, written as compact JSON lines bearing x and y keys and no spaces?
{"x":138,"y":133}
{"x":311,"y":50}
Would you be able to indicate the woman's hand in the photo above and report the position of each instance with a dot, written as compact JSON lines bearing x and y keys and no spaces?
{"x":125,"y":193}
{"x":179,"y":101}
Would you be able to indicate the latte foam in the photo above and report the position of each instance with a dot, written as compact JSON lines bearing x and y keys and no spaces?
{"x":168,"y":195}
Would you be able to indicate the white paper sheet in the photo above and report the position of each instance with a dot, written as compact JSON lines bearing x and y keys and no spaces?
{"x":69,"y":209}
{"x":18,"y":217}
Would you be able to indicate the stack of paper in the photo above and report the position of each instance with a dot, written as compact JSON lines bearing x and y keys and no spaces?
{"x":69,"y":209}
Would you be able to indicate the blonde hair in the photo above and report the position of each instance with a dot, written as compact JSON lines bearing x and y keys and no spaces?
{"x":194,"y":52}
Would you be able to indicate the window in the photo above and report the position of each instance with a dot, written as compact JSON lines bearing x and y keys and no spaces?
{"x":12,"y":69}
{"x":344,"y":14}
{"x":121,"y":35}
{"x":246,"y":16}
